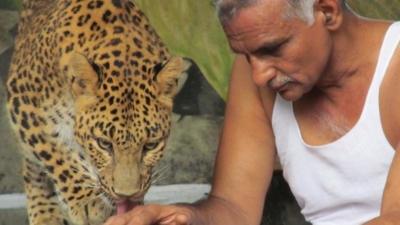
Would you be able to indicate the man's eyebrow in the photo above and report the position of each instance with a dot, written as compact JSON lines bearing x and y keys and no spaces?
{"x":270,"y":45}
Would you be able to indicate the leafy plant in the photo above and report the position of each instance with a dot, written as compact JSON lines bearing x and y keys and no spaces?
{"x":10,"y":4}
{"x":383,"y":9}
{"x":190,"y":28}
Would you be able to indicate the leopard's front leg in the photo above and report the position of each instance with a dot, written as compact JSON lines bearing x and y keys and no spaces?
{"x":96,"y":210}
{"x":43,"y":207}
{"x":89,"y":208}
{"x":76,"y":185}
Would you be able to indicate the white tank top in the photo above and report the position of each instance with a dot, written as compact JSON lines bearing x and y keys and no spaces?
{"x":342,"y":182}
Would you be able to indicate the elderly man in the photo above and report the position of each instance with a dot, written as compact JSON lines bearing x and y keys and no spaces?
{"x":314,"y":84}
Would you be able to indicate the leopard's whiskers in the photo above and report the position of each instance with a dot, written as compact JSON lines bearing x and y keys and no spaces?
{"x":159,"y":174}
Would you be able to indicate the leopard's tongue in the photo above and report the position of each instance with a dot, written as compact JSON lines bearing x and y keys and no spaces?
{"x":125,"y":206}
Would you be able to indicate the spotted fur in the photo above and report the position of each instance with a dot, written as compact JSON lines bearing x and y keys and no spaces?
{"x":90,"y":93}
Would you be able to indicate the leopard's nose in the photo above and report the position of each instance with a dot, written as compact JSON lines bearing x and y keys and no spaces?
{"x":122,"y":197}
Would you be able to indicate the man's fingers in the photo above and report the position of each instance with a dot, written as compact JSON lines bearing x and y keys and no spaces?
{"x":167,"y":220}
{"x":153,"y":215}
{"x":179,"y":216}
{"x":144,"y":215}
{"x":116,"y":220}
{"x":139,"y":216}
{"x":182,"y":219}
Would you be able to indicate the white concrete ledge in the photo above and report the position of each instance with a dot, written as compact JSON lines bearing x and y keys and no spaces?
{"x":177,"y":193}
{"x":157,"y":194}
{"x":12,"y":201}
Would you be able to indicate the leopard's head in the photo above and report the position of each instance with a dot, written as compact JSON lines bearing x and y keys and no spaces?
{"x":123,"y":125}
{"x":122,"y":81}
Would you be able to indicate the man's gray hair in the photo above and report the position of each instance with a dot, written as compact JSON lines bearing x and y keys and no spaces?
{"x":303,"y":9}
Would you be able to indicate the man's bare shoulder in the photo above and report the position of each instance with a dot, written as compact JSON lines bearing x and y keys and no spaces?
{"x":390,"y":100}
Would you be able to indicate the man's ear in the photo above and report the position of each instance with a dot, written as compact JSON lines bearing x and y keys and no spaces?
{"x":331,"y":13}
{"x":170,"y":79}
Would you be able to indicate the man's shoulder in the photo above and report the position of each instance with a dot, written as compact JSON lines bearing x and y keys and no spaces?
{"x":390,"y":99}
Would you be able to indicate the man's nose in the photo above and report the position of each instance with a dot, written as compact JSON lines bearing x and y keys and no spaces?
{"x":262,"y":71}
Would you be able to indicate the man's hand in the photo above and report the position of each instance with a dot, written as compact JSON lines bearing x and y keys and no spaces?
{"x":156,"y":215}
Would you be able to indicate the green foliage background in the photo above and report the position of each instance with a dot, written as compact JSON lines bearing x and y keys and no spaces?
{"x":384,"y":9}
{"x":10,"y":4}
{"x":190,"y":28}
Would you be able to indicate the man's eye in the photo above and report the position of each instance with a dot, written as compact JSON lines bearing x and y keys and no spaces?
{"x":273,"y":49}
{"x":104,"y":144}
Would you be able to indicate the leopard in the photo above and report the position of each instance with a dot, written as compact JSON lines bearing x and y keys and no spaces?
{"x":90,"y":94}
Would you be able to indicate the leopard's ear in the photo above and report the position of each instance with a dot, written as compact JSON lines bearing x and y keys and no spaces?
{"x":84,"y":76}
{"x":170,"y":79}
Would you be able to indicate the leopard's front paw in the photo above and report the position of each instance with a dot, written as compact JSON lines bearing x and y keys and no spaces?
{"x":48,"y":220}
{"x":99,"y":211}
{"x":94,"y":212}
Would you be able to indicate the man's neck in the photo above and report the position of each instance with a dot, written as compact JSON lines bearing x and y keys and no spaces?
{"x":354,"y":55}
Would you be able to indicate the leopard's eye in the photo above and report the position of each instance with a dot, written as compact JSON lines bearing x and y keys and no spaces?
{"x":153,"y":146}
{"x":104,"y":144}
{"x":150,"y":146}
